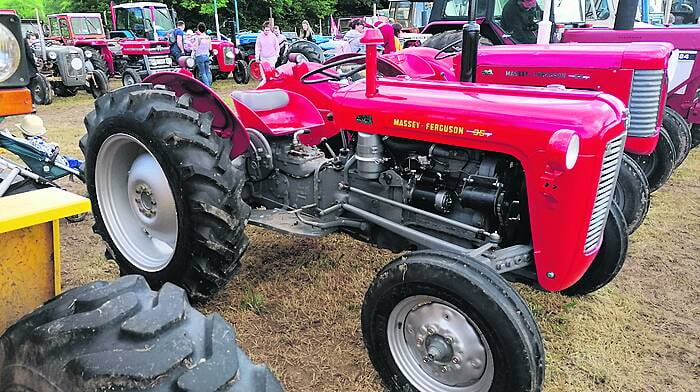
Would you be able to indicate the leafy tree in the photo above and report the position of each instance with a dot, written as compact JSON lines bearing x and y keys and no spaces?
{"x":24,"y":8}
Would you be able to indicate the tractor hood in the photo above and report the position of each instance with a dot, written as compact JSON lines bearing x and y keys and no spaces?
{"x":144,"y":47}
{"x":636,"y":55}
{"x":686,"y":38}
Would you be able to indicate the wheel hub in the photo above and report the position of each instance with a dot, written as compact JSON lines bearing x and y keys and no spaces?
{"x":145,"y":202}
{"x":437,"y":347}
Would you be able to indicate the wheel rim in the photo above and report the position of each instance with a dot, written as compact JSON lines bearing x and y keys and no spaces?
{"x":647,"y":163}
{"x":438,"y":348}
{"x":136,"y":202}
{"x":128,"y":80}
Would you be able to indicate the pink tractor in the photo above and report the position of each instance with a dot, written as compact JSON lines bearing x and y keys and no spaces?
{"x":84,"y":30}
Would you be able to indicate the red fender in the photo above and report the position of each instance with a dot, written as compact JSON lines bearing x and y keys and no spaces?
{"x":224,"y":122}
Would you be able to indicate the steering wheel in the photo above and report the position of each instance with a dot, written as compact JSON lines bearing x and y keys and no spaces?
{"x":443,"y":53}
{"x":338,"y":76}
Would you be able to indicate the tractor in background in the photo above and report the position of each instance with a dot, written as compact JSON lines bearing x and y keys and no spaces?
{"x":86,"y":31}
{"x":103,"y":335}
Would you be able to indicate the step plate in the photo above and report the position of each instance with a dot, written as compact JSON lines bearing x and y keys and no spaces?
{"x":285,"y":222}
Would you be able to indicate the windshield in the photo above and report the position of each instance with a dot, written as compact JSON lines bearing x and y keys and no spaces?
{"x":86,"y":25}
{"x":567,"y":11}
{"x":597,"y":10}
{"x":163,"y":20}
{"x":401,"y":12}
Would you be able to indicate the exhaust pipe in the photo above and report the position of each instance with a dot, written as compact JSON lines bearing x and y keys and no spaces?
{"x":626,"y":12}
{"x":470,"y":46}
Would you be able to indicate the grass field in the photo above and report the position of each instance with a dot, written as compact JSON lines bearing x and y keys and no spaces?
{"x":296,"y":302}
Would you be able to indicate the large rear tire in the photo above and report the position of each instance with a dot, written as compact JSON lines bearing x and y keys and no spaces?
{"x":610,"y":257}
{"x":166,"y":197}
{"x":123,"y":336}
{"x":679,"y":131}
{"x":695,"y":132}
{"x":308,"y":49}
{"x":439,"y":322}
{"x":98,"y":61}
{"x":659,"y":165}
{"x":632,"y":193}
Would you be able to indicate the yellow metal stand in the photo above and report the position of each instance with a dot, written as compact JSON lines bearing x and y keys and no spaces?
{"x":30,"y":256}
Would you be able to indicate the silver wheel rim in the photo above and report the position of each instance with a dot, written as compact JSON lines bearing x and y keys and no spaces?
{"x":136,"y":202}
{"x":438,"y":348}
{"x":129,"y":80}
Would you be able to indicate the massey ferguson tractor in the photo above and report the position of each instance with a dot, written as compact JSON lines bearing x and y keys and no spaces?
{"x":473,"y":183}
{"x":110,"y":335}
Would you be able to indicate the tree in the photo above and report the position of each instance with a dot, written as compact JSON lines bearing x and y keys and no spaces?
{"x":24,"y":8}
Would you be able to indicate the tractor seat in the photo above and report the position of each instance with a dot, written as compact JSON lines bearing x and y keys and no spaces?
{"x":276,"y":112}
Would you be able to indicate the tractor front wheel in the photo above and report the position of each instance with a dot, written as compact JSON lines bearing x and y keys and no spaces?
{"x":610,"y":257}
{"x":98,"y":61}
{"x":99,"y":84}
{"x":130,"y":77}
{"x":439,"y":322}
{"x":241,"y":74}
{"x":165,"y":195}
{"x":679,"y":131}
{"x":64,"y":91}
{"x":632,"y":193}
{"x":42,"y":94}
{"x":123,"y":336}
{"x":659,"y":165}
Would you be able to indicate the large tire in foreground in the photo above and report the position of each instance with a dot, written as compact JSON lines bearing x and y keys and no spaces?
{"x":632,"y":193}
{"x":123,"y":336}
{"x":659,"y":165}
{"x":610,"y":257}
{"x":308,"y":49}
{"x":679,"y":131}
{"x":165,"y":195}
{"x":438,"y":322}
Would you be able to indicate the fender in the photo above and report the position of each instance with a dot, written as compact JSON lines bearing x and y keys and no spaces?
{"x":224,"y":120}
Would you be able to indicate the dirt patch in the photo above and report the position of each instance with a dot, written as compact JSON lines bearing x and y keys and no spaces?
{"x":296,"y":302}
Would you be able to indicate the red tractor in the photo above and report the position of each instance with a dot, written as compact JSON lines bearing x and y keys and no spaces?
{"x":476,"y":183}
{"x":84,"y":30}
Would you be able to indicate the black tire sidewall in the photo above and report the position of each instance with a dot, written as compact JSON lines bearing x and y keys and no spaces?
{"x":134,"y":128}
{"x":510,"y":373}
{"x":633,"y":188}
{"x":679,"y":132}
{"x":133,"y":74}
{"x":665,"y":161}
{"x":241,"y":75}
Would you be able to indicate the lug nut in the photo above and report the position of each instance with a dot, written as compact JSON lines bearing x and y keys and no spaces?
{"x":431,"y":331}
{"x":448,"y":340}
{"x":455,"y":360}
{"x":444,"y":369}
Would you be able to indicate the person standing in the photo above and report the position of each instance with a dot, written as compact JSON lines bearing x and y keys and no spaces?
{"x":352,"y":37}
{"x":177,"y":45}
{"x":267,"y":47}
{"x":306,"y":32}
{"x":202,"y":50}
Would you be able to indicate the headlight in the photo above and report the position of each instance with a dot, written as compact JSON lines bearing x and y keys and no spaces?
{"x":88,"y":54}
{"x":189,"y":62}
{"x":215,"y":51}
{"x":564,"y":147}
{"x":76,"y":64}
{"x":229,"y":54}
{"x":10,"y":54}
{"x":52,"y":55}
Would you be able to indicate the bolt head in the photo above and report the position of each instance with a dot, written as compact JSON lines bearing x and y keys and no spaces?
{"x":455,"y":360}
{"x":443,"y":369}
{"x":448,"y":340}
{"x":431,"y":331}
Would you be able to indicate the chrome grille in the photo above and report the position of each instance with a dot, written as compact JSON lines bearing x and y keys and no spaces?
{"x":645,"y":99}
{"x":606,"y":188}
{"x":161,"y":61}
{"x":71,"y":71}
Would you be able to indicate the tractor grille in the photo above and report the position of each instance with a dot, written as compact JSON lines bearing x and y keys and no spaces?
{"x":229,"y":58}
{"x":606,"y":188}
{"x":156,"y":62}
{"x":644,"y":102}
{"x":71,"y":70}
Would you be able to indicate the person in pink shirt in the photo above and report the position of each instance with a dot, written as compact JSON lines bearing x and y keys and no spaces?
{"x":267,"y":47}
{"x":202,"y":49}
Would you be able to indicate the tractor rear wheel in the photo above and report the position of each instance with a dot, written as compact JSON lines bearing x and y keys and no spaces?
{"x":241,"y":74}
{"x":610,"y":258}
{"x":98,"y":61}
{"x":632,"y":193}
{"x":165,"y":195}
{"x":99,"y":84}
{"x":679,"y":131}
{"x":439,"y":322}
{"x":130,"y":77}
{"x":123,"y":336}
{"x":42,"y":94}
{"x":308,"y":49}
{"x":659,"y":165}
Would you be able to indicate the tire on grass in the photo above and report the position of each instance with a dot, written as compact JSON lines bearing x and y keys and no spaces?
{"x":241,"y":74}
{"x":130,"y":77}
{"x":658,"y":166}
{"x":610,"y":257}
{"x":439,"y":322}
{"x":64,"y":91}
{"x":632,"y":193}
{"x":680,"y":134}
{"x":99,"y":84}
{"x":123,"y":336}
{"x":695,"y":133}
{"x":165,"y":196}
{"x":98,"y":61}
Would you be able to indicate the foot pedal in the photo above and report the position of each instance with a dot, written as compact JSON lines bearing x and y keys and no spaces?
{"x":285,"y":222}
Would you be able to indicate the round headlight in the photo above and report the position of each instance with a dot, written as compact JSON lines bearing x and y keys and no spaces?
{"x":76,"y":64}
{"x":190,"y":62}
{"x":88,"y":54}
{"x":52,"y":55}
{"x":10,"y":54}
{"x":229,"y":54}
{"x":215,"y":51}
{"x":572,"y":151}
